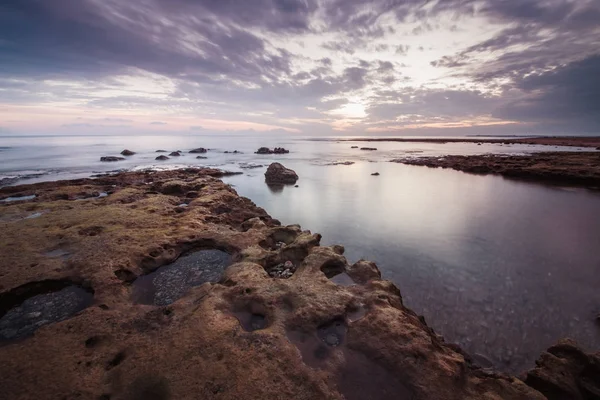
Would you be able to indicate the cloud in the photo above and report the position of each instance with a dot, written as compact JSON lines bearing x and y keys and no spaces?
{"x":296,"y":65}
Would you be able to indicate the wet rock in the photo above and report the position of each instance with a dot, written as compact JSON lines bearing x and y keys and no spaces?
{"x":375,"y":174}
{"x":161,"y":151}
{"x":232,"y":152}
{"x":341,"y":163}
{"x":162,"y":158}
{"x":354,"y":147}
{"x":250,"y":166}
{"x":278,"y":174}
{"x":111,"y":159}
{"x":198,"y":150}
{"x":127,"y":152}
{"x":276,"y":150}
{"x":175,"y":154}
{"x":368,"y":148}
{"x":565,"y":371}
{"x":201,"y":157}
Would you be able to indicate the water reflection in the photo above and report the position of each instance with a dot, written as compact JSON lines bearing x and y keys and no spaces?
{"x":503,"y":268}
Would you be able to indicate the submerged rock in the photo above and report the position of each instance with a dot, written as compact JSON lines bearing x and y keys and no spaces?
{"x":161,"y":151}
{"x":198,"y":150}
{"x":278,"y":174}
{"x":111,"y":159}
{"x":354,"y":147}
{"x":368,"y":148}
{"x":127,"y":152}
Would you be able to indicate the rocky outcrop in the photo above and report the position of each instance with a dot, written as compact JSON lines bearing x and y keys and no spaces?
{"x":111,"y":159}
{"x":276,"y":150}
{"x":566,"y":372}
{"x":565,"y":168}
{"x":127,"y":152}
{"x":162,"y":158}
{"x":274,"y":325}
{"x":277,"y":174}
{"x":200,"y":150}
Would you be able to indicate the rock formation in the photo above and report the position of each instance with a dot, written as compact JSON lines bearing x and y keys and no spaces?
{"x":162,"y":158}
{"x":276,"y":150}
{"x":198,"y":150}
{"x":277,"y":174}
{"x":111,"y":159}
{"x":127,"y":152}
{"x":175,"y":154}
{"x":273,"y":326}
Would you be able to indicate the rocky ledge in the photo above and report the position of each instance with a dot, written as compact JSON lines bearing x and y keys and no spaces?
{"x":259,"y":310}
{"x":565,"y":168}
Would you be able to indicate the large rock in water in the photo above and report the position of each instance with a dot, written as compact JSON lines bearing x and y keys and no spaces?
{"x":277,"y":174}
{"x":276,"y":150}
{"x":200,"y":150}
{"x":127,"y":152}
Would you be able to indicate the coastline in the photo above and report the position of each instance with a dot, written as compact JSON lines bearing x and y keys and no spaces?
{"x":307,"y":337}
{"x":580,"y":141}
{"x":559,"y":168}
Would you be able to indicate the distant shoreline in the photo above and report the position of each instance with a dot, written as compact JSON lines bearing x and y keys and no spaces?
{"x":577,"y":141}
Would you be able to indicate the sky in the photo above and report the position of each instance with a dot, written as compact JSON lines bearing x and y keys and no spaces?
{"x":309,"y":67}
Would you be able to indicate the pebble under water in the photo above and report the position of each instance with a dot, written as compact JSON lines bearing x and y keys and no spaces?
{"x":171,"y":282}
{"x":43,"y":309}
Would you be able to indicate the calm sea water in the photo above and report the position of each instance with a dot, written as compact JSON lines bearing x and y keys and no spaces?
{"x":502,"y":267}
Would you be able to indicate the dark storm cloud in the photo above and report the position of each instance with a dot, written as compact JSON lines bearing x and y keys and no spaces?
{"x":570,"y":93}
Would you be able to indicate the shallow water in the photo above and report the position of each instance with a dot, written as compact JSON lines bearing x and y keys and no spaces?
{"x":171,"y":282}
{"x":504,"y":268}
{"x":43,"y":309}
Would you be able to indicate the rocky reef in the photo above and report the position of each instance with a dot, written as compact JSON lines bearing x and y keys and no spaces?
{"x":566,"y":168}
{"x":273,"y":320}
{"x":276,"y":150}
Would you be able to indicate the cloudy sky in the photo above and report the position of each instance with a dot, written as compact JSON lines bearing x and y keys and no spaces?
{"x":313,"y":67}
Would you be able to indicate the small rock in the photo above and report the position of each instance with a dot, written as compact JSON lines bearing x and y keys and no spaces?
{"x":368,"y":148}
{"x":276,"y":150}
{"x":161,"y":158}
{"x":127,"y":152}
{"x":375,"y":174}
{"x":111,"y":159}
{"x":161,"y":151}
{"x":296,"y":186}
{"x":354,"y":147}
{"x":201,"y":158}
{"x":198,"y":150}
{"x":175,"y":154}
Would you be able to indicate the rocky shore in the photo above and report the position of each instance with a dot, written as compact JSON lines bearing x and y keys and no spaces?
{"x":580,"y":141}
{"x":259,"y":310}
{"x":564,"y":168}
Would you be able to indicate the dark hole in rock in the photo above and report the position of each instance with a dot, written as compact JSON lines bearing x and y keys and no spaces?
{"x":93,"y":341}
{"x":312,"y":350}
{"x":332,"y":268}
{"x":171,"y":282}
{"x":117,"y":359}
{"x":357,"y":313}
{"x":58,"y":253}
{"x":125,"y":275}
{"x":251,"y":321}
{"x":343,"y":279}
{"x":333,"y":333}
{"x":24,"y":309}
{"x":360,"y":378}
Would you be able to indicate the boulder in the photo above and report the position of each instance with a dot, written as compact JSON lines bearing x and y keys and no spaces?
{"x":175,"y":154}
{"x":276,"y":150}
{"x":278,"y":174}
{"x":375,"y":174}
{"x":127,"y":152}
{"x":111,"y":159}
{"x":198,"y":150}
{"x":161,"y":158}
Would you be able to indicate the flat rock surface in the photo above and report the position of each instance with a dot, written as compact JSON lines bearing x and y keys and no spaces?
{"x":298,"y":335}
{"x":569,"y":168}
